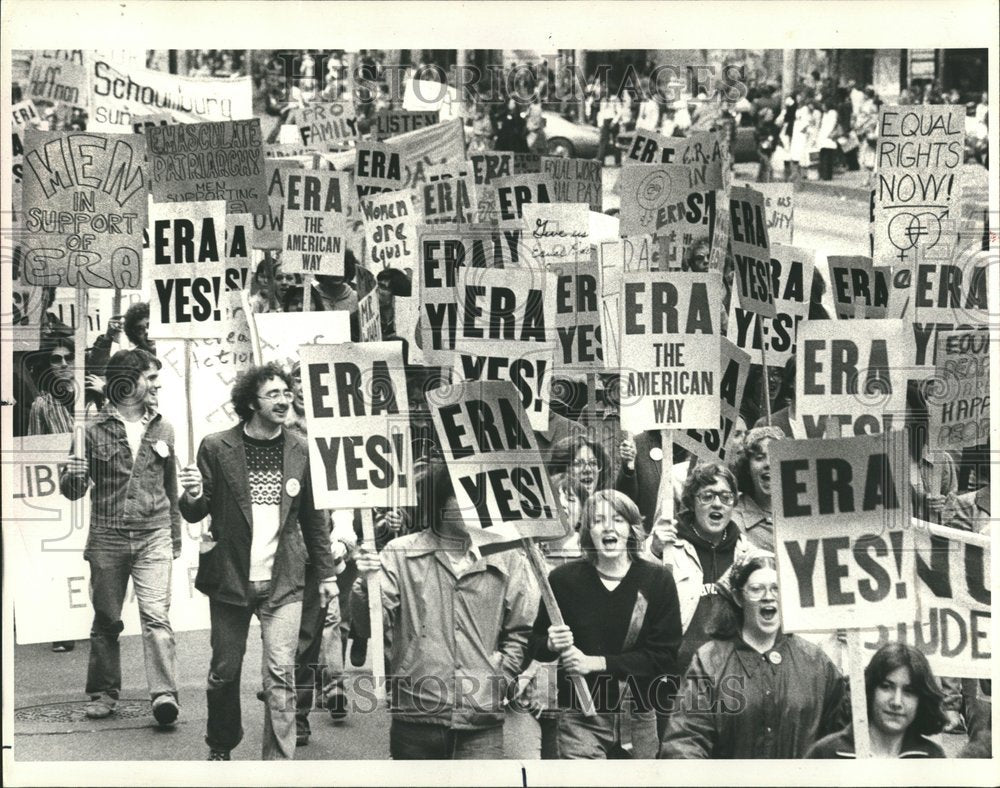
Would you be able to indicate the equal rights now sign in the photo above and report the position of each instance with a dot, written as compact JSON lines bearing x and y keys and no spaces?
{"x":501,"y":484}
{"x":842,"y":536}
{"x":358,"y":418}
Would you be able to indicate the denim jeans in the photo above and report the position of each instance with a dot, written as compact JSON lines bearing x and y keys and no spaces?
{"x":146,"y":558}
{"x":319,"y":657}
{"x":279,"y":629}
{"x":412,"y":741}
{"x":596,"y":737}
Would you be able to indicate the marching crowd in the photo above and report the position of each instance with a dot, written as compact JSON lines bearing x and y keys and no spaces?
{"x":671,"y":642}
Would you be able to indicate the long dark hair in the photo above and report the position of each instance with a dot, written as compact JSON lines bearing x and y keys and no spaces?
{"x":727,"y":620}
{"x":930,"y":716}
{"x":622,"y":505}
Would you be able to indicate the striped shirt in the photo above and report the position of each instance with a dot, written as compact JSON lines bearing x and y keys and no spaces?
{"x":49,"y":416}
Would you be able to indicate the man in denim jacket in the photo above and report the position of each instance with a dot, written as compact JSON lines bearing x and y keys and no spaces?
{"x":135,"y":530}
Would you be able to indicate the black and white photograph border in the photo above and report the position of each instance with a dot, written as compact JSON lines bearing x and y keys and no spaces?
{"x":729,"y":54}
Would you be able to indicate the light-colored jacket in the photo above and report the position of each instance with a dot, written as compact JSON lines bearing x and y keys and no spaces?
{"x":682,"y":560}
{"x":457,"y":641}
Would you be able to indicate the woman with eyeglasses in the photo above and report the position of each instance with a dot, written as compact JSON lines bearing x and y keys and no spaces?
{"x":582,"y":459}
{"x":754,"y":691}
{"x":700,"y":548}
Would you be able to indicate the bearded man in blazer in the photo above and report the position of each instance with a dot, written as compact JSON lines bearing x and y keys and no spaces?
{"x":254,"y":481}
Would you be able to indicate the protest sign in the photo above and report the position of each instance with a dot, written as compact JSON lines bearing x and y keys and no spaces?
{"x":60,"y":75}
{"x":857,"y":379}
{"x":575,"y":180}
{"x":500,"y":481}
{"x":378,"y":168}
{"x":556,"y":233}
{"x":779,"y":208}
{"x":442,"y":143}
{"x":390,"y":122}
{"x":358,"y":419}
{"x":516,"y":191}
{"x":702,"y":155}
{"x":448,"y":199}
{"x":952,"y":603}
{"x":390,"y":230}
{"x":648,"y":147}
{"x":713,"y":445}
{"x":444,"y":251}
{"x":369,"y":318}
{"x":120,"y":91}
{"x":920,"y":150}
{"x":506,"y":331}
{"x":425,"y":95}
{"x":959,"y":400}
{"x":268,"y":227}
{"x":239,"y":230}
{"x":751,"y":251}
{"x":653,"y":196}
{"x":199,"y":162}
{"x":859,"y":289}
{"x":791,"y":283}
{"x":23,"y":115}
{"x":279,"y":335}
{"x":842,"y":536}
{"x":669,"y":340}
{"x":315,"y":225}
{"x":189,"y":272}
{"x":323,"y":123}
{"x":85,"y":208}
{"x":948,"y":290}
{"x":527,"y":163}
{"x":578,"y":312}
{"x":490,"y":165}
{"x":45,"y":535}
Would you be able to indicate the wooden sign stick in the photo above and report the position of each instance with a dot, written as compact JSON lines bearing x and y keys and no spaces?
{"x":541,"y":572}
{"x":374,"y":585}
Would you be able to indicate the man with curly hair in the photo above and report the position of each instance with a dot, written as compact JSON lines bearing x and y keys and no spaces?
{"x":253,"y":479}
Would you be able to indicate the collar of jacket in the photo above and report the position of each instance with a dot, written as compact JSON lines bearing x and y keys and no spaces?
{"x":749,"y":513}
{"x":427,"y":542}
{"x":914,"y":745}
{"x":109,"y":411}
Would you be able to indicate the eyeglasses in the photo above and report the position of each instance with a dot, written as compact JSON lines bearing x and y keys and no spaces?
{"x":707,"y":496}
{"x":755,"y":591}
{"x":274,"y":396}
{"x":55,"y":358}
{"x":580,"y":465}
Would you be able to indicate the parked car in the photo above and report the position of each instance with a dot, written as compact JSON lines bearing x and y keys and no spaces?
{"x":568,"y":139}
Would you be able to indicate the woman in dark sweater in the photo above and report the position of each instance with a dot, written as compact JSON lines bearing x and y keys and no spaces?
{"x":622,"y":631}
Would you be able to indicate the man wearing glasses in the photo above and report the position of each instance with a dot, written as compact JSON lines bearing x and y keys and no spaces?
{"x":253,"y":480}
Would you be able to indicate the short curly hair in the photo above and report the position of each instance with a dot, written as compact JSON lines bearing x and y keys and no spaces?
{"x":702,"y":475}
{"x":133,"y":315}
{"x":930,"y":717}
{"x":245,"y":388}
{"x":750,"y":444}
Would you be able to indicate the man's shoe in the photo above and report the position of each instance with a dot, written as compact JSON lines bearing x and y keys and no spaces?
{"x":165,"y":710}
{"x":336,"y":704}
{"x":100,"y":707}
{"x":301,"y":739}
{"x":218,"y":755}
{"x":62,"y":646}
{"x":359,"y":651}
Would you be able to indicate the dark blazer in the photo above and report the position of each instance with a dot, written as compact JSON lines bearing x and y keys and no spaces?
{"x":224,"y":570}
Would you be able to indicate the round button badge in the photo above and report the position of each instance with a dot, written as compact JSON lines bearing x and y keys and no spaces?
{"x":656,"y":454}
{"x":774,"y":657}
{"x":292,"y":487}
